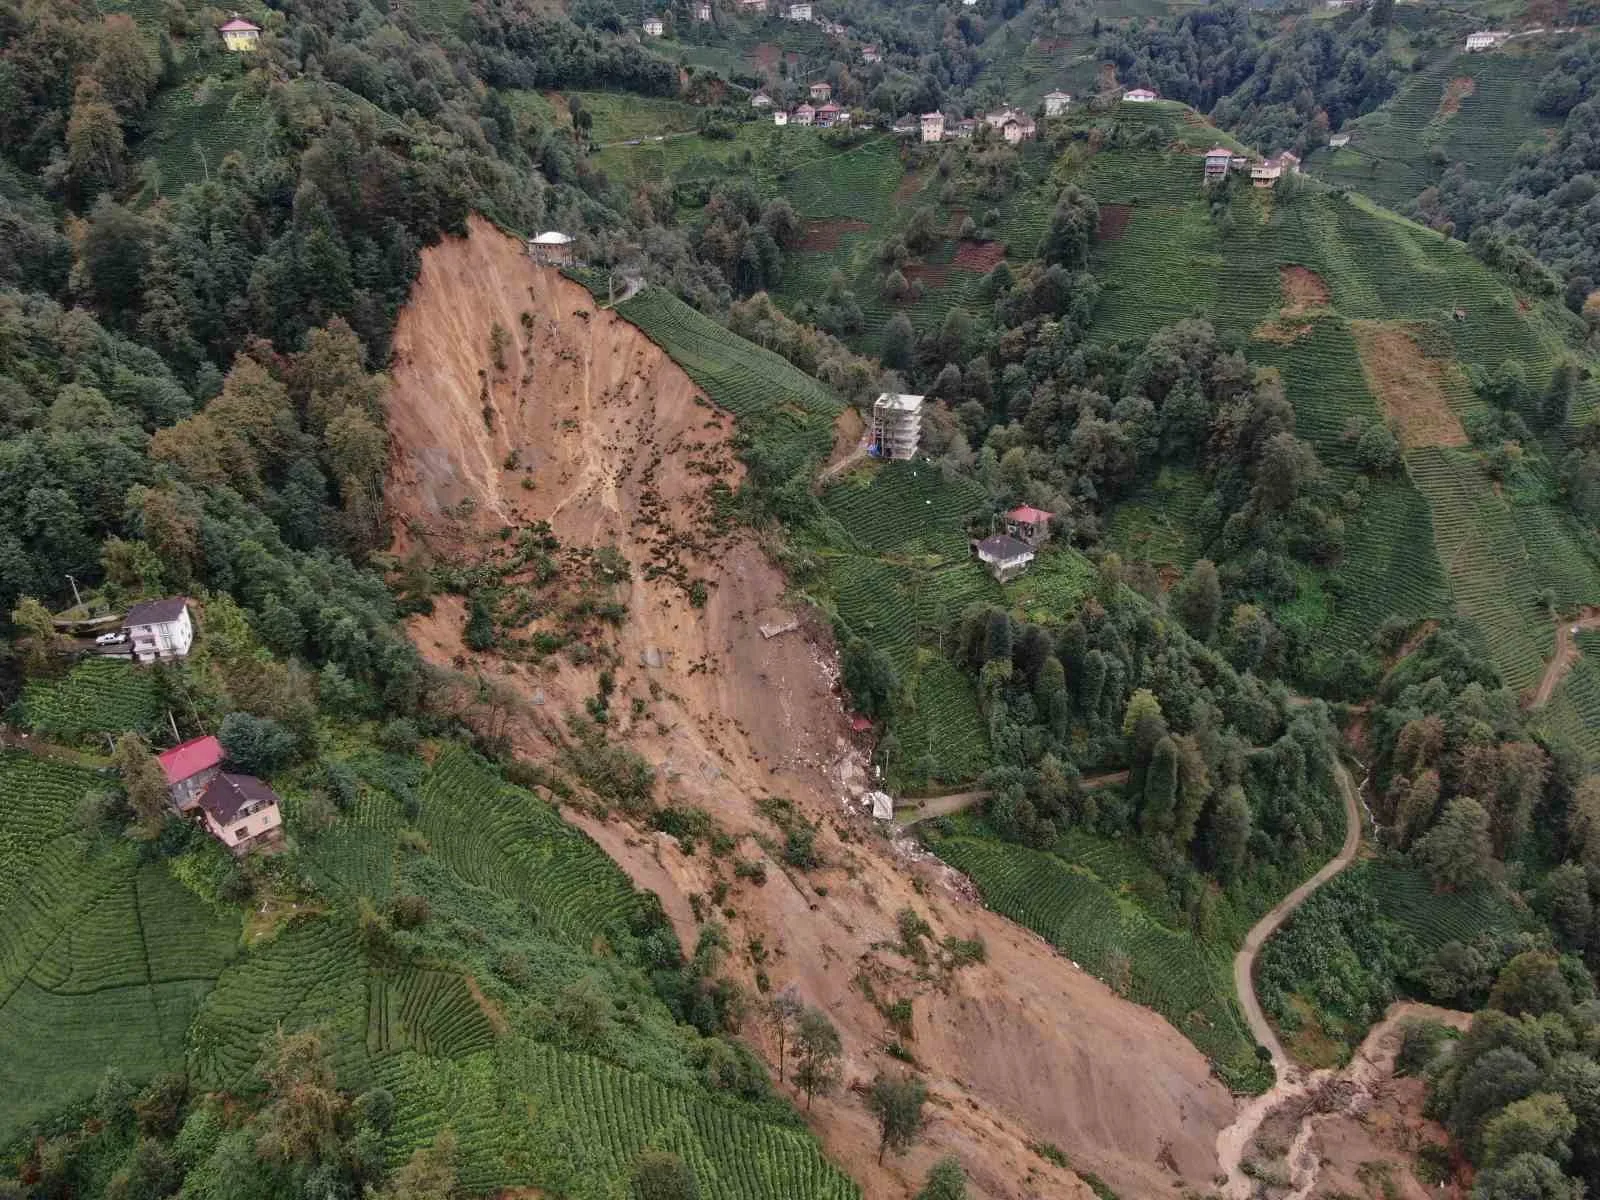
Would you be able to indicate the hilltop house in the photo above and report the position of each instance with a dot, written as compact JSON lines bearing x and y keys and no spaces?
{"x":1338,"y":140}
{"x":1485,"y":39}
{"x":159,"y":629}
{"x":240,"y":811}
{"x":1267,"y":172}
{"x":761,"y":100}
{"x":821,"y":90}
{"x":833,"y":28}
{"x":1140,"y":96}
{"x":797,"y":12}
{"x":188,"y":768}
{"x":780,"y":117}
{"x":702,"y":11}
{"x":805,"y":115}
{"x":1014,"y":124}
{"x":653,"y":26}
{"x":896,"y":425}
{"x":1057,"y":103}
{"x":1004,"y":555}
{"x":551,"y":248}
{"x":869,"y":54}
{"x":1029,"y":524}
{"x":1219,"y":161}
{"x":239,"y":35}
{"x":932,"y":127}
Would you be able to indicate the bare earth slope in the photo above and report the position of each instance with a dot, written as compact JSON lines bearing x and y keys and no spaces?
{"x":624,"y":450}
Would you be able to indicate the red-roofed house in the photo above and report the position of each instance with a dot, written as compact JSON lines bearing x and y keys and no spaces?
{"x":1141,"y":96}
{"x":188,"y":768}
{"x":239,"y":34}
{"x":828,"y":115}
{"x":1028,"y":524}
{"x":1219,"y":161}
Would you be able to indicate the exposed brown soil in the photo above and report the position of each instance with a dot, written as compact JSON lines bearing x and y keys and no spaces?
{"x":1408,"y":384}
{"x":1281,"y":330}
{"x":1457,"y":90}
{"x":1019,"y":1049}
{"x":978,"y":256}
{"x":1356,"y":1131}
{"x":765,"y":55}
{"x":1303,"y":290}
{"x":1565,"y":656}
{"x":825,"y":235}
{"x":850,"y":443}
{"x":932,"y":274}
{"x":1113,"y":221}
{"x":908,"y":187}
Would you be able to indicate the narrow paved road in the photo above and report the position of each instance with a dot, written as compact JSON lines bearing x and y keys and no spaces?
{"x":1244,"y":962}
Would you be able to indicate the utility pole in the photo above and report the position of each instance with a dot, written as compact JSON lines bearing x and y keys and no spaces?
{"x":75,"y":594}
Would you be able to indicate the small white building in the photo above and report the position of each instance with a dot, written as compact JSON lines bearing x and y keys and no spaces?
{"x":969,"y":3}
{"x":1339,"y":140}
{"x":1140,"y":96}
{"x":1057,"y":103}
{"x":896,"y":425}
{"x":932,"y":126}
{"x":159,"y":629}
{"x":1005,"y":556}
{"x":870,"y":54}
{"x":702,"y":11}
{"x":653,"y":26}
{"x":239,"y":35}
{"x":822,"y":90}
{"x":551,"y":248}
{"x":761,"y":100}
{"x":797,"y":12}
{"x":780,"y":117}
{"x":1485,"y":39}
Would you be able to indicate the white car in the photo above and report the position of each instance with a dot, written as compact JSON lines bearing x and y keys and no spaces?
{"x":114,"y":638}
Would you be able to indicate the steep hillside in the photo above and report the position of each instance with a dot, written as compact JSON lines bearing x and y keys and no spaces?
{"x":624,"y":450}
{"x":1371,"y":319}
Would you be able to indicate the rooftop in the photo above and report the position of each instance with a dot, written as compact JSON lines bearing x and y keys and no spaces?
{"x":1219,"y":152}
{"x":899,"y":401}
{"x":188,"y":759}
{"x":1028,"y":515}
{"x":1003,"y":546}
{"x":239,"y":25}
{"x":226,"y":795}
{"x":551,"y":237}
{"x":156,"y":612}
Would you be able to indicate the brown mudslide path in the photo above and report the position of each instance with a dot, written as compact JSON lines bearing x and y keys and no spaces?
{"x":1566,"y":654}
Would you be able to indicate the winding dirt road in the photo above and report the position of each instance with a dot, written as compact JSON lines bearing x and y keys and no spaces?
{"x":1565,"y":655}
{"x":1290,"y":1081}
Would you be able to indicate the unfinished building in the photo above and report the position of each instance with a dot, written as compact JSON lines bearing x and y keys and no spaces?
{"x":896,"y":425}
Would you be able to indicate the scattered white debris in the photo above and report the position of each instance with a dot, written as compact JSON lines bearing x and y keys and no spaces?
{"x":882,"y":805}
{"x":771,"y":631}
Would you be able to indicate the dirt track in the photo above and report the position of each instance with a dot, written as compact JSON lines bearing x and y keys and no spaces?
{"x":1290,"y":1081}
{"x":1022,"y":1048}
{"x":1566,"y":654}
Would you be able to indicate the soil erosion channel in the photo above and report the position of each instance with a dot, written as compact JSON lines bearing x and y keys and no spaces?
{"x":588,"y":426}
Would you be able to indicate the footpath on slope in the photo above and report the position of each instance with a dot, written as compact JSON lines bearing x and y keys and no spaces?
{"x":1566,"y":654}
{"x":1291,"y":1082}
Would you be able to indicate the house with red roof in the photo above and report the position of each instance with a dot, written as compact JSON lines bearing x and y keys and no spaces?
{"x":1219,"y":161}
{"x":1029,"y":524}
{"x":189,"y":767}
{"x":239,"y":35}
{"x":828,"y":115}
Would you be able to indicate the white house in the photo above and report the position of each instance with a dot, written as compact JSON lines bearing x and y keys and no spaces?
{"x":1140,"y":96}
{"x":761,"y":100}
{"x":653,"y":26}
{"x":933,"y":127}
{"x":1014,"y":124}
{"x":805,"y":115}
{"x":1338,"y":140}
{"x":552,"y":248}
{"x":780,"y":117}
{"x":822,"y":90}
{"x":896,"y":425}
{"x":159,"y":629}
{"x":702,"y":11}
{"x":969,"y":3}
{"x":1057,"y":103}
{"x":870,"y":54}
{"x":239,"y":35}
{"x":1005,"y":556}
{"x":797,"y":12}
{"x":240,"y":811}
{"x":1485,"y":39}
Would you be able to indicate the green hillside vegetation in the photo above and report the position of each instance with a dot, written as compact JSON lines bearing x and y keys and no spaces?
{"x":1472,"y":110}
{"x":96,"y":697}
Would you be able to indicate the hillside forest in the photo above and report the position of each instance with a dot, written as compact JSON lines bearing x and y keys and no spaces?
{"x":1270,"y":571}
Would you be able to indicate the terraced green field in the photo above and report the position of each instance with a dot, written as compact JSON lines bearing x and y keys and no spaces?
{"x":98,"y":696}
{"x":198,"y":124}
